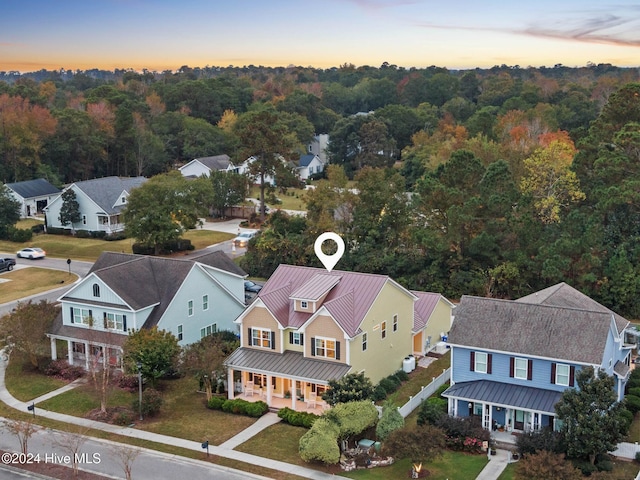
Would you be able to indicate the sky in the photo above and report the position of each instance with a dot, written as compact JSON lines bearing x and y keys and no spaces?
{"x":456,"y":34}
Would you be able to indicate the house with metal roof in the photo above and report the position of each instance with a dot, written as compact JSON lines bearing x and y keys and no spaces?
{"x":33,"y":195}
{"x":308,"y":326}
{"x":190,"y":297}
{"x":199,"y":167}
{"x":511,"y":360}
{"x":101,"y":202}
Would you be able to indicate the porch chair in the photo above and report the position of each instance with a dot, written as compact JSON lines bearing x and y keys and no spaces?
{"x":248,"y":389}
{"x":311,"y":400}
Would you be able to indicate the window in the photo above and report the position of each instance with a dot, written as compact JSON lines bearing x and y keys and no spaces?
{"x":123,"y":200}
{"x":304,"y":304}
{"x":205,"y":302}
{"x":84,"y":219}
{"x":395,"y":323}
{"x":114,"y":321}
{"x":325,"y":347}
{"x":383,"y":330}
{"x":295,"y":338}
{"x":80,"y":315}
{"x":364,"y":342}
{"x":480,"y":362}
{"x":520,"y":370}
{"x":208,"y":330}
{"x":261,"y":338}
{"x":180,"y":332}
{"x":96,"y":290}
{"x":562,"y":375}
{"x":190,"y":308}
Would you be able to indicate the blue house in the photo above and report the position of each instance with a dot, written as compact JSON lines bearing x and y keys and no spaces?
{"x":511,"y":360}
{"x":190,"y":297}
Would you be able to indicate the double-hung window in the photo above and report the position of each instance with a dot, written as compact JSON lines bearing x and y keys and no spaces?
{"x":115,"y":321}
{"x":383,"y":330}
{"x":395,"y":323}
{"x":190,"y":308}
{"x":520,"y":368}
{"x":81,"y":315}
{"x":480,"y":362}
{"x":296,"y":338}
{"x":205,"y":302}
{"x":562,"y":374}
{"x":364,"y":342}
{"x":208,"y":330}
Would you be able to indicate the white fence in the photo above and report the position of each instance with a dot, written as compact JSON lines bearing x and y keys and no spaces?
{"x":425,"y":392}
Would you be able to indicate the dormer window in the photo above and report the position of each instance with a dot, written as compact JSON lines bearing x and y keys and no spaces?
{"x":123,"y":199}
{"x":304,"y":304}
{"x":96,"y":290}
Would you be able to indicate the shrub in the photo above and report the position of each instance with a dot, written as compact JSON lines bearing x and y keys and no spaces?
{"x":100,"y":234}
{"x":464,"y":434}
{"x":440,"y":390}
{"x":140,"y":249}
{"x":402,"y":375}
{"x":115,"y":236}
{"x":388,"y":385}
{"x":320,"y":443}
{"x":151,"y":402}
{"x":379,"y":393}
{"x":297,"y":419}
{"x":215,"y":403}
{"x":127,"y":382}
{"x":638,"y":457}
{"x":19,"y":235}
{"x":632,"y":403}
{"x":431,"y":410}
{"x":391,"y":420}
{"x":634,"y":391}
{"x":61,"y":369}
{"x":58,"y":231}
{"x":256,"y":409}
{"x":39,"y":228}
{"x":634,"y":379}
{"x":530,"y":443}
{"x":124,"y":417}
{"x":627,"y":416}
{"x":83,"y":234}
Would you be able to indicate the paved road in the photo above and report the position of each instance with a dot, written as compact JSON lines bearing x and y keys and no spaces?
{"x":103,"y":457}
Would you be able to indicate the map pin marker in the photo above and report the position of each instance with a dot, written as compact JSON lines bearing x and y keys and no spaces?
{"x":329,"y":261}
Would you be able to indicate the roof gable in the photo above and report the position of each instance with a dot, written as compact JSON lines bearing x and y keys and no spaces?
{"x":531,"y":329}
{"x":106,"y":191}
{"x":33,"y":188}
{"x":423,"y":308}
{"x":216,"y":162}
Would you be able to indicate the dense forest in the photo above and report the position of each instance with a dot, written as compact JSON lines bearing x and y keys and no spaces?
{"x":492,"y":182}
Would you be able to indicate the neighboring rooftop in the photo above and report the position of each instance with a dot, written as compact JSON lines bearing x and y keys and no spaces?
{"x":106,"y":191}
{"x":33,"y":188}
{"x":423,"y":308}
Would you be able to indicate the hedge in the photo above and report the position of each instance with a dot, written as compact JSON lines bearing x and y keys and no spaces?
{"x":297,"y":419}
{"x":238,"y":406}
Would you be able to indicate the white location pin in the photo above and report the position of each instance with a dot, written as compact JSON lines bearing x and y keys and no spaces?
{"x":329,"y":261}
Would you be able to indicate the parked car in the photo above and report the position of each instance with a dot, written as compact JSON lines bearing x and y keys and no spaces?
{"x":252,"y":287}
{"x":6,"y":264}
{"x":31,"y":253}
{"x":242,"y":240}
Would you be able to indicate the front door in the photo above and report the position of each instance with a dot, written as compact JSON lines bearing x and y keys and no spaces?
{"x":519,"y":421}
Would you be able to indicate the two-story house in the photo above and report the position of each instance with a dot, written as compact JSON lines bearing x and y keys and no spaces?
{"x":511,"y":360}
{"x":190,"y":298}
{"x":101,"y":202}
{"x":309,"y":326}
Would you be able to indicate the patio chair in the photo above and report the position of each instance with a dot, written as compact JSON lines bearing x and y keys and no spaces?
{"x":248,"y":389}
{"x":311,"y":400}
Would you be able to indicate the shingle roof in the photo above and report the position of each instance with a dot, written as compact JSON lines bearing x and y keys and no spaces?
{"x":305,"y":160}
{"x":531,"y":329}
{"x":142,"y":281}
{"x":33,"y":188}
{"x":506,"y":395}
{"x":290,"y":364}
{"x":90,"y":335}
{"x":423,"y":308}
{"x":106,"y":191}
{"x":347,"y":313}
{"x":563,"y":295}
{"x":621,"y":368}
{"x":216,"y":162}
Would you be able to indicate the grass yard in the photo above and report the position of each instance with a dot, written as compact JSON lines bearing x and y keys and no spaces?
{"x":634,"y":430}
{"x":451,"y":465}
{"x":184,"y":415}
{"x":509,"y":472}
{"x":25,"y":383}
{"x":90,"y":248}
{"x":29,"y":281}
{"x":81,"y":400}
{"x":292,"y":200}
{"x":278,"y":442}
{"x":418,"y":378}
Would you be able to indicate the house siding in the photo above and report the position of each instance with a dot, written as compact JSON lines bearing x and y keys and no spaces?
{"x":384,"y":356}
{"x":259,"y":317}
{"x":85,"y":290}
{"x":500,"y":370}
{"x":324,"y":326}
{"x":288,"y":345}
{"x":439,"y":321}
{"x":222,"y":311}
{"x":232,"y":282}
{"x":196,"y":169}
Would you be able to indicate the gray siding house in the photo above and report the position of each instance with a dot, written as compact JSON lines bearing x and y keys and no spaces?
{"x":33,"y":195}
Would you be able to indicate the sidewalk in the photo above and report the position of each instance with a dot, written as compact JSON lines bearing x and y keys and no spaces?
{"x":495,"y":467}
{"x":226,"y":452}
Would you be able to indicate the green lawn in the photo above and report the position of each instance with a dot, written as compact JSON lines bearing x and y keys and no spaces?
{"x":418,"y":378}
{"x":292,"y":200}
{"x":89,"y":249}
{"x":451,"y":465}
{"x":509,"y":472}
{"x":81,"y":400}
{"x":25,"y":383}
{"x":29,"y":281}
{"x":278,"y":442}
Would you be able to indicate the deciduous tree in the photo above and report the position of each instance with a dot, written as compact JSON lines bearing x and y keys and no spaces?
{"x":9,"y":211}
{"x":156,"y":351}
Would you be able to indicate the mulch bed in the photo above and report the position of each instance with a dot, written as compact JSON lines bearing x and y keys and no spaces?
{"x":58,"y":471}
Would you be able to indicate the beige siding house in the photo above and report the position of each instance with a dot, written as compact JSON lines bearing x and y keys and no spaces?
{"x":308,"y":326}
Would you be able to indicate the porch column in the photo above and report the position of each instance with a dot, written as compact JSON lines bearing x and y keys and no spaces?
{"x":451,"y":409}
{"x":489,"y":409}
{"x":54,"y":351}
{"x":70,"y":351}
{"x":86,"y":355}
{"x":231,"y":385}
{"x":269,"y":388}
{"x":532,"y":421}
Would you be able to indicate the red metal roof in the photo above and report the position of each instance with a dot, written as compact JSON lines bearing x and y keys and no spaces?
{"x":423,"y":308}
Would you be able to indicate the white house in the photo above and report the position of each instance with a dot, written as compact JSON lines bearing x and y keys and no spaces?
{"x":33,"y":195}
{"x":191,"y":298}
{"x":205,"y":165}
{"x":101,"y":202}
{"x":309,"y":164}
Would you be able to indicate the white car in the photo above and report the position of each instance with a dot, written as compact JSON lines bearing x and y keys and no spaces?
{"x":242,"y":240}
{"x":31,"y":252}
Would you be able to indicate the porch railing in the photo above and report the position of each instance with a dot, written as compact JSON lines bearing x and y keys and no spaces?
{"x":425,"y":392}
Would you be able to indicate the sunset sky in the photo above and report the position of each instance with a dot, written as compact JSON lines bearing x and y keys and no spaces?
{"x":167,"y":34}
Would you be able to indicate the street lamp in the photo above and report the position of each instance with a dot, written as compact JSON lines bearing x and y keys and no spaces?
{"x":139,"y":365}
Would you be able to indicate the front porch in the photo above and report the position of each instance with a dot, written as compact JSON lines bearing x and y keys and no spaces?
{"x":282,"y":380}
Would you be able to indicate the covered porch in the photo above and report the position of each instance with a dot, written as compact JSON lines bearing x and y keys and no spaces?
{"x":503,"y":407}
{"x":282,"y":379}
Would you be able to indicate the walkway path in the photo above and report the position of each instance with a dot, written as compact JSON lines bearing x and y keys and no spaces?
{"x":226,"y":452}
{"x":495,"y":467}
